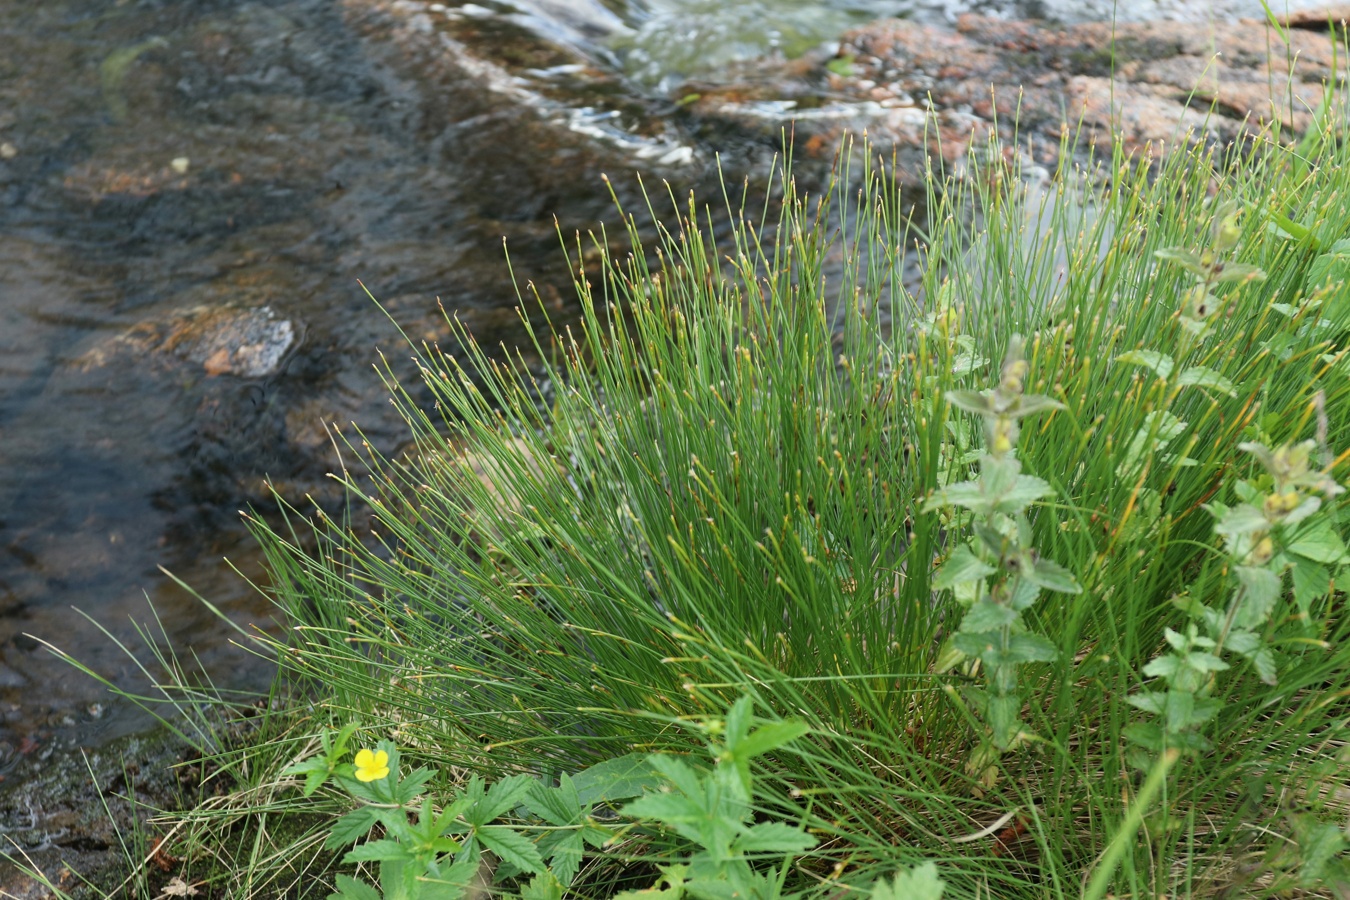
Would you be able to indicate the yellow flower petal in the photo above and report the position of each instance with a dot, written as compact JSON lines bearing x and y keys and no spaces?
{"x":371,"y":766}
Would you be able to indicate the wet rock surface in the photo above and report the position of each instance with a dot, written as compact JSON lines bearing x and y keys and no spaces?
{"x":929,"y":90}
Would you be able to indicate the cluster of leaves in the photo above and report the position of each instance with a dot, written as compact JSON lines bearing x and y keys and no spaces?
{"x":998,"y":574}
{"x":437,"y":853}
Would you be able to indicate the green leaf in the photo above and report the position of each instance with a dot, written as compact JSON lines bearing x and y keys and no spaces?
{"x":985,"y":615}
{"x":1201,"y":376}
{"x":1240,"y":519}
{"x":676,"y":811}
{"x":1002,"y":714}
{"x":1025,"y":491}
{"x":1319,"y":542}
{"x":511,"y":846}
{"x":1160,"y":363}
{"x":556,"y":806}
{"x":349,"y":888}
{"x":769,"y":737}
{"x":1163,"y":667}
{"x":543,"y":887}
{"x":351,"y":827}
{"x":377,"y":851}
{"x":1260,"y":590}
{"x":1028,"y":647}
{"x":500,"y":798}
{"x":970,"y":401}
{"x":961,"y":566}
{"x":919,"y":883}
{"x":410,"y":785}
{"x":1239,"y":272}
{"x":1053,"y":577}
{"x":774,"y":837}
{"x":1187,"y":259}
{"x":1032,"y":404}
{"x":564,"y":854}
{"x":1318,"y":846}
{"x":1312,"y":582}
{"x":616,"y":779}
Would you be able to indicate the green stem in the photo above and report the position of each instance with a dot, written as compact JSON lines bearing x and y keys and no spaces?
{"x":1124,"y":837}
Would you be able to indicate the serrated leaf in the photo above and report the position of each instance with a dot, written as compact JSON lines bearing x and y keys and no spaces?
{"x":1240,"y":519}
{"x":1032,"y":404}
{"x":1002,"y":714}
{"x":615,"y":779}
{"x":961,"y":566}
{"x":543,"y":887}
{"x":969,"y":401}
{"x":349,"y":888}
{"x":1028,"y":647}
{"x":1160,"y":363}
{"x":511,"y":846}
{"x":564,"y":855}
{"x":1318,"y":846}
{"x":411,"y":785}
{"x":1202,"y":376}
{"x":500,"y":798}
{"x":1025,"y":491}
{"x":919,"y":883}
{"x":556,"y":806}
{"x":1319,"y":542}
{"x":1312,"y":582}
{"x":377,"y":851}
{"x":1239,"y":272}
{"x":1260,"y":590}
{"x":985,"y":615}
{"x":774,"y":837}
{"x":1052,"y":576}
{"x":769,"y":736}
{"x":351,"y":827}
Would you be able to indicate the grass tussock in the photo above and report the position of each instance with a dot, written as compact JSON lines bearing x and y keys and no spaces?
{"x":739,"y":474}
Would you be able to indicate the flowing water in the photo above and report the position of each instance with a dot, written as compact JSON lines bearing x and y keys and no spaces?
{"x":190,"y":191}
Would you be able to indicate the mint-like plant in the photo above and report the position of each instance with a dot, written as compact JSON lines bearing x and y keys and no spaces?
{"x":1281,"y":527}
{"x":997,"y":574}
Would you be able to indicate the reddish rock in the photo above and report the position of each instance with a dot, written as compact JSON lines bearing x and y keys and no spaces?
{"x":1151,"y":85}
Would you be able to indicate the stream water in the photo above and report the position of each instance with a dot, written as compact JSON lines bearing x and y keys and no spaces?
{"x":177,"y":173}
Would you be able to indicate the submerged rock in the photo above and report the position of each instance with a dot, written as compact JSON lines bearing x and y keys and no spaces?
{"x":247,"y":343}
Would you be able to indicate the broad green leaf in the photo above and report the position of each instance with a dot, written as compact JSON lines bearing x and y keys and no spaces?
{"x":985,"y":615}
{"x":411,"y":785}
{"x":511,"y":846}
{"x":1312,"y":582}
{"x":1201,"y":376}
{"x":1240,"y":519}
{"x":1025,"y":491}
{"x":1160,"y":363}
{"x":351,"y":827}
{"x":768,"y":737}
{"x":349,"y":888}
{"x":961,"y":566}
{"x":1319,"y":542}
{"x":564,"y":854}
{"x":1032,"y":404}
{"x":969,"y":401}
{"x":1053,"y":577}
{"x":453,"y":882}
{"x":919,"y":883}
{"x":377,"y":851}
{"x":1028,"y":647}
{"x":500,"y":798}
{"x":543,"y":887}
{"x":1187,"y":259}
{"x":1002,"y":713}
{"x":774,"y":837}
{"x":1260,"y":589}
{"x":1163,"y":667}
{"x":1149,"y":701}
{"x":1204,"y":662}
{"x":1239,"y":272}
{"x":615,"y":779}
{"x":1318,"y":846}
{"x":556,"y":806}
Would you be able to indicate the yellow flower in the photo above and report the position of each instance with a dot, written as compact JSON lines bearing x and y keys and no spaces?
{"x":371,"y":766}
